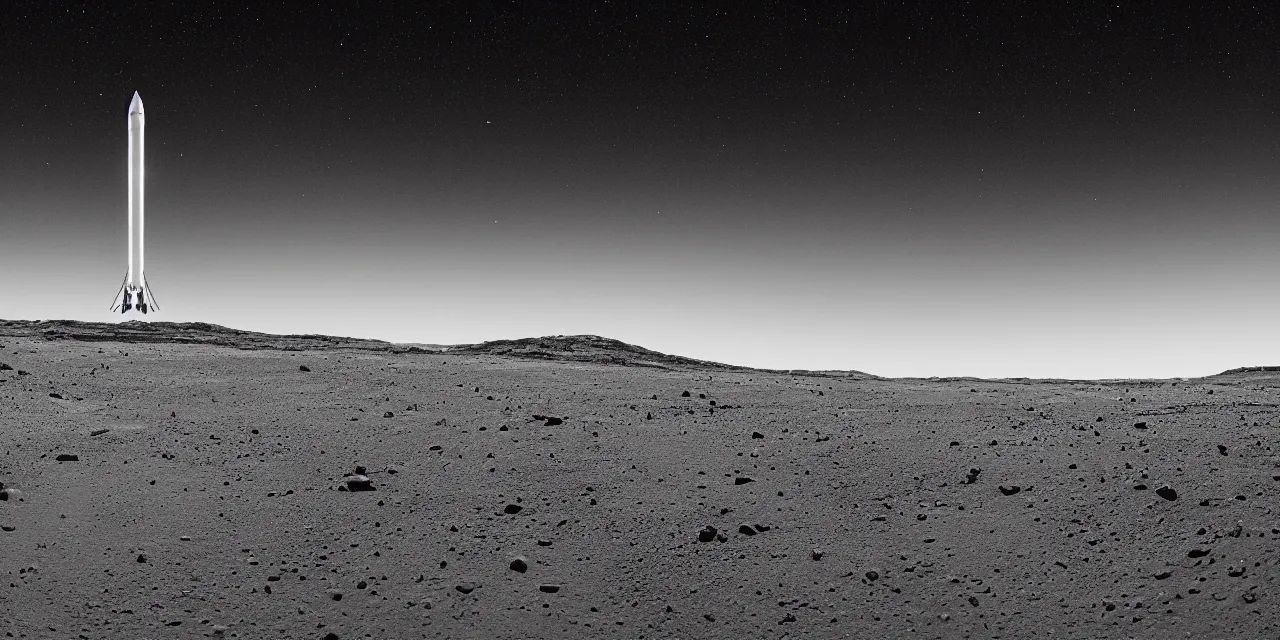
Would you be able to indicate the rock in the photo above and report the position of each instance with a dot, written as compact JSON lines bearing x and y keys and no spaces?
{"x":685,"y":394}
{"x":142,"y":558}
{"x":972,"y":476}
{"x":1163,"y":575}
{"x":707,"y":534}
{"x":544,"y":543}
{"x":388,"y":414}
{"x":553,"y":421}
{"x":740,"y":480}
{"x":98,"y":432}
{"x":5,"y":367}
{"x":1222,"y":449}
{"x":1008,"y":491}
{"x":331,"y":636}
{"x":359,"y":482}
{"x":7,"y":527}
{"x":56,"y":396}
{"x":746,"y":530}
{"x":1198,"y":553}
{"x":549,"y":588}
{"x":465,"y":587}
{"x":816,"y":555}
{"x":519,"y":564}
{"x":67,"y":457}
{"x":305,"y":369}
{"x":512,"y":509}
{"x":873,"y":575}
{"x":756,"y":435}
{"x":1167,"y":493}
{"x":1139,"y":425}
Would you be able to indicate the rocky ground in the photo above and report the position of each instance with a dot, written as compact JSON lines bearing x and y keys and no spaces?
{"x":185,"y":481}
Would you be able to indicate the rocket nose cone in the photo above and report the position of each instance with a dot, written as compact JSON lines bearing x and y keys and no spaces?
{"x":136,"y":105}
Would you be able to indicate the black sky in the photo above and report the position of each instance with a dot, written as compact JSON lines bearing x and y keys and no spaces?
{"x":848,"y":185}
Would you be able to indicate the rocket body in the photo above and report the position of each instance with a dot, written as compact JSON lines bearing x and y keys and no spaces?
{"x":134,"y":294}
{"x":137,"y":223}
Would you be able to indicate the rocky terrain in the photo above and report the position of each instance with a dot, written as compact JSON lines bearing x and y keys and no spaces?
{"x":189,"y":481}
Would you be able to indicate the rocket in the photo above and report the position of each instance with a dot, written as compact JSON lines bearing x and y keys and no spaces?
{"x":134,"y":294}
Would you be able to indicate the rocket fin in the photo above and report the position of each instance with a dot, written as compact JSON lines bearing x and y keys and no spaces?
{"x":119,"y":300}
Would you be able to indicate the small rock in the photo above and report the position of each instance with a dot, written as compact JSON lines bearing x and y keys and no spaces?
{"x":512,"y":509}
{"x":7,"y":527}
{"x":746,"y":530}
{"x":388,"y":414}
{"x":1139,"y":425}
{"x":548,"y":588}
{"x":56,"y":396}
{"x":1222,"y":449}
{"x":740,"y":480}
{"x":1167,"y":493}
{"x":552,"y":421}
{"x":465,"y":587}
{"x":756,"y":435}
{"x":67,"y":457}
{"x":305,"y":369}
{"x":873,"y":575}
{"x":685,"y":394}
{"x":98,"y":432}
{"x":816,"y":555}
{"x":707,"y":534}
{"x":1008,"y":491}
{"x":1163,"y":575}
{"x":1197,"y":553}
{"x":142,"y":558}
{"x":519,"y":565}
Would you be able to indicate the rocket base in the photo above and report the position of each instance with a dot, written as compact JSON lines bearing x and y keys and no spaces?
{"x":132,"y":297}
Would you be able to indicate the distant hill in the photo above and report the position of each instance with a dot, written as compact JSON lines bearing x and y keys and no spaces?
{"x":593,"y":349}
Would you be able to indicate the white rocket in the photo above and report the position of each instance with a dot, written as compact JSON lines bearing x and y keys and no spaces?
{"x":134,"y":294}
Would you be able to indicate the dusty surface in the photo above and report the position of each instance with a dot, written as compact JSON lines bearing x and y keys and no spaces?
{"x":211,"y":503}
